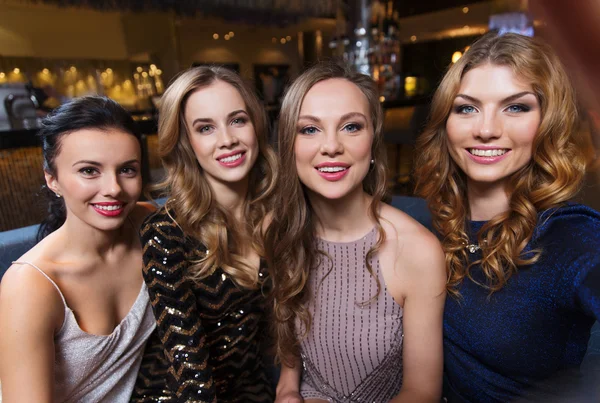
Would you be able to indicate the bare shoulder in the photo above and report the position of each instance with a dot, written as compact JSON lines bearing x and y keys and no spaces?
{"x":417,"y":248}
{"x":28,"y":299}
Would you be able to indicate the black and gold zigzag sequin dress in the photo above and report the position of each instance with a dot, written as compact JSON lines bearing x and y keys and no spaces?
{"x":209,"y":335}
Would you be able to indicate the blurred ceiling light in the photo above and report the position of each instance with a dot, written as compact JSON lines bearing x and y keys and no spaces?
{"x":215,"y":36}
{"x":73,"y":69}
{"x":153,"y":67}
{"x":456,"y":56}
{"x":226,"y":37}
{"x":465,"y":10}
{"x":231,"y":34}
{"x":288,"y":38}
{"x":282,"y":41}
{"x":17,"y":70}
{"x":381,"y":98}
{"x":139,"y":69}
{"x":109,"y":70}
{"x":46,"y":71}
{"x":413,"y":38}
{"x":466,"y":27}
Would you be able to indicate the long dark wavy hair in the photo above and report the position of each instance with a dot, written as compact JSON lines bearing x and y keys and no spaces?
{"x":90,"y":112}
{"x":552,"y":177}
{"x":291,"y":238}
{"x":191,"y":197}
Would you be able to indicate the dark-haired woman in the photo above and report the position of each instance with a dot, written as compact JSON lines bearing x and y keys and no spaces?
{"x":74,"y":310}
{"x":499,"y":164}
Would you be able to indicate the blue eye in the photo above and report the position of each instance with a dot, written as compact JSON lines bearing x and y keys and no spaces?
{"x":466,"y":109}
{"x":352,"y":127}
{"x":238,"y":121}
{"x":309,"y":130}
{"x":203,"y":129}
{"x":517,"y":108}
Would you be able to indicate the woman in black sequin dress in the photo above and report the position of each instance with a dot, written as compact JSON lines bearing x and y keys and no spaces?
{"x":202,"y":250}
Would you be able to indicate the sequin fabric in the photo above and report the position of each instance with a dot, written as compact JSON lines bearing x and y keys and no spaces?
{"x":210,"y":334}
{"x":353,"y":350}
{"x":537,"y":327}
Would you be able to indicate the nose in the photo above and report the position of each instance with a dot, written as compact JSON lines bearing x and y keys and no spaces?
{"x":227,"y":138}
{"x":489,"y":128}
{"x":111,"y":186}
{"x":331,"y":144}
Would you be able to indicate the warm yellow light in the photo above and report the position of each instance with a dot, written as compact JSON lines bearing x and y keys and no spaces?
{"x":410,"y":86}
{"x":465,"y":10}
{"x":158,"y":72}
{"x":226,"y":37}
{"x":413,"y":38}
{"x":288,"y":38}
{"x":282,"y":41}
{"x":2,"y":75}
{"x":17,"y":70}
{"x":144,"y":74}
{"x":381,"y":98}
{"x":215,"y":36}
{"x":136,"y":75}
{"x":46,"y":71}
{"x":456,"y":56}
{"x":231,"y":34}
{"x":466,"y":27}
{"x":109,"y":70}
{"x":73,"y":69}
{"x":153,"y":67}
{"x":139,"y":69}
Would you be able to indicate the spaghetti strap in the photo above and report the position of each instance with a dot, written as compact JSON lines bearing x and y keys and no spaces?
{"x":48,"y":277}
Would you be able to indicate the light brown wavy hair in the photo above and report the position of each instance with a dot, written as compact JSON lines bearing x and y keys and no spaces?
{"x":291,"y":237}
{"x":191,"y":198}
{"x":552,"y":177}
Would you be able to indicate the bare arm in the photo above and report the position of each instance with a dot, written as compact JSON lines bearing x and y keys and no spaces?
{"x":425,"y":278}
{"x":31,"y":310}
{"x":288,"y":387}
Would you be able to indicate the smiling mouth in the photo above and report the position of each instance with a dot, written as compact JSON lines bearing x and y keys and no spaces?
{"x":488,"y":153}
{"x":231,"y":158}
{"x":108,"y":208}
{"x":331,"y":169}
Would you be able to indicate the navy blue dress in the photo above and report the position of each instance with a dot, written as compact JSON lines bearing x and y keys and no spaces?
{"x":538,"y":325}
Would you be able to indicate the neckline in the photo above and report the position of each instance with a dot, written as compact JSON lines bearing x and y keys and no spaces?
{"x":116,"y":328}
{"x":371,"y":231}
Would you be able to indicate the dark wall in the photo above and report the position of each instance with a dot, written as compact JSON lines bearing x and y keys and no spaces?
{"x":411,"y":7}
{"x":431,"y":59}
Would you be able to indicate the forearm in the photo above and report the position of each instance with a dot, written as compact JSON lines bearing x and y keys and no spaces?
{"x":413,"y":395}
{"x":289,"y":378}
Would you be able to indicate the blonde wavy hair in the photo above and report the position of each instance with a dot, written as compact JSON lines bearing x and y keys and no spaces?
{"x":191,"y":198}
{"x":291,"y":238}
{"x":552,"y":177}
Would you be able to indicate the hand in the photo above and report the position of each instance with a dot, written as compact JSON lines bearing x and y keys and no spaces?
{"x":289,"y":397}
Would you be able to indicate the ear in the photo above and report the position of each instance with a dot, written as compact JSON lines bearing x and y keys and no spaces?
{"x":52,"y":183}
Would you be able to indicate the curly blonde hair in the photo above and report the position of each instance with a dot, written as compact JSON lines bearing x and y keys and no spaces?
{"x":291,"y":237}
{"x":552,"y":177}
{"x":191,"y":197}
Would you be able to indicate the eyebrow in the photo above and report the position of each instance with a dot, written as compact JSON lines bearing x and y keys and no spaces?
{"x":229,"y":116}
{"x":505,"y":100}
{"x":96,"y":163}
{"x":344,"y":117}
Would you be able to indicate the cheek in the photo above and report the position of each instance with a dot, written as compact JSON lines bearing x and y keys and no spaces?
{"x":201,"y":147}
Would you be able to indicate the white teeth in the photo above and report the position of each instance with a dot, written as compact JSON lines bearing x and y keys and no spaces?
{"x":331,"y":169}
{"x":231,"y":158}
{"x":487,"y":153}
{"x":108,"y":208}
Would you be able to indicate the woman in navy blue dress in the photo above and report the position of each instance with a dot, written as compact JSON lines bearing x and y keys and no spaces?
{"x":498,"y":165}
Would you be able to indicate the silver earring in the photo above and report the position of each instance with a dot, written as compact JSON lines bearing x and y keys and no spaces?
{"x":57,"y":195}
{"x":372,"y":162}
